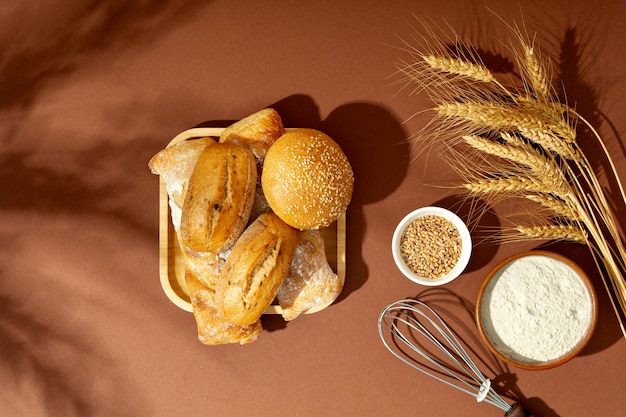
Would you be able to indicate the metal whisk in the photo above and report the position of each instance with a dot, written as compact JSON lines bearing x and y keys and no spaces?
{"x":404,"y":326}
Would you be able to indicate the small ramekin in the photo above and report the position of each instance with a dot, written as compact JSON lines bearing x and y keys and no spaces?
{"x":466,"y":246}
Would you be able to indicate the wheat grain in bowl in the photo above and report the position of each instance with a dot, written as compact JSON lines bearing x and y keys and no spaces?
{"x":431,"y":246}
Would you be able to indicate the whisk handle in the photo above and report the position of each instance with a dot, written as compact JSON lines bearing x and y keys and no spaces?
{"x":517,"y":411}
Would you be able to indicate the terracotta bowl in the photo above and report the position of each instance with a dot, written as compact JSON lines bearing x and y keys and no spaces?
{"x":523,"y":308}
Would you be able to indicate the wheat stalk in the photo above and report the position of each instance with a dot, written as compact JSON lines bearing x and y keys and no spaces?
{"x":524,"y":144}
{"x":508,"y":184}
{"x":557,"y":206}
{"x":528,"y":120}
{"x":536,"y":74}
{"x":554,"y":232}
{"x":539,"y":164}
{"x":460,"y":67}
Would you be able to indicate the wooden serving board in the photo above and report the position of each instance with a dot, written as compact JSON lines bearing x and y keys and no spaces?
{"x":171,"y":260}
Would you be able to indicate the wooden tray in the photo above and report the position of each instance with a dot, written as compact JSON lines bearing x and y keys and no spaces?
{"x":171,"y":261}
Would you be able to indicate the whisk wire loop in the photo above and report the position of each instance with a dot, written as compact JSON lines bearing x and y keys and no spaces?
{"x":416,"y":325}
{"x":405,"y":320}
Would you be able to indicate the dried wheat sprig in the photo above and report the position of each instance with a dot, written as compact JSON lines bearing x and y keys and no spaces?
{"x":561,"y":232}
{"x":512,"y":184}
{"x":543,"y":170}
{"x":504,"y":116}
{"x":460,"y":67}
{"x":551,"y":142}
{"x":536,"y":75}
{"x":526,"y":117}
{"x":597,"y":215}
{"x":546,"y":141}
{"x":554,"y":232}
{"x":557,"y":206}
{"x":555,"y":118}
{"x":538,"y":163}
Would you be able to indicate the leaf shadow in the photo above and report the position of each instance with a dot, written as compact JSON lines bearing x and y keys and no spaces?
{"x":51,"y":50}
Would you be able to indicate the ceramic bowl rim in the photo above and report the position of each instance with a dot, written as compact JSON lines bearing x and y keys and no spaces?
{"x":554,"y":362}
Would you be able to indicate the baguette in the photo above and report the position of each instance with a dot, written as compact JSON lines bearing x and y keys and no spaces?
{"x":219,"y":198}
{"x":255,"y":269}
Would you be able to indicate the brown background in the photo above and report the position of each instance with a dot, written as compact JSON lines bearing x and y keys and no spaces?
{"x":90,"y":90}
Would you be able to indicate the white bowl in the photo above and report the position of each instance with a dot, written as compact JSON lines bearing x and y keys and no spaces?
{"x":466,"y":246}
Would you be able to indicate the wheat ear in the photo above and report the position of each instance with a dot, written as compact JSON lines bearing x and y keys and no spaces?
{"x":544,"y":173}
{"x":510,"y":184}
{"x":501,"y":116}
{"x":536,"y":75}
{"x":554,"y":232}
{"x":557,"y":206}
{"x":461,"y":67}
{"x":519,"y":153}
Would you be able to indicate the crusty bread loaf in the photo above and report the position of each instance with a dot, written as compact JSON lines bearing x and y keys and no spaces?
{"x":310,"y":281}
{"x":174,"y":165}
{"x":255,"y":269}
{"x":240,"y":256}
{"x":256,"y":132}
{"x":212,"y":328}
{"x":307,"y":179}
{"x":219,"y":198}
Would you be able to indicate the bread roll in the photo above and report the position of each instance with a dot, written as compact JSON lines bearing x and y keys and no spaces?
{"x":256,"y":132}
{"x":212,"y":328}
{"x":174,"y":165}
{"x":307,"y":179}
{"x":219,"y":198}
{"x":255,"y":269}
{"x":206,"y":266}
{"x":310,"y":282}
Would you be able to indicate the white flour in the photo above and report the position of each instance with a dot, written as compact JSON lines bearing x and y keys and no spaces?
{"x":536,"y":308}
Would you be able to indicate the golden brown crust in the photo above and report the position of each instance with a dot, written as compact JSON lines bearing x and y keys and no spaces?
{"x":310,"y":281}
{"x":206,"y":266}
{"x":174,"y":165}
{"x":219,"y":198}
{"x":256,"y":132}
{"x":307,"y":179}
{"x":255,"y":269}
{"x":212,"y":328}
{"x":216,"y":190}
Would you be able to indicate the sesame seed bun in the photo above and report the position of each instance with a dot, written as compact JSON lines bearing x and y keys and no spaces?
{"x":307,"y":179}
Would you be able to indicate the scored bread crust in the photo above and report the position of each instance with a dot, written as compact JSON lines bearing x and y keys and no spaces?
{"x":211,"y":327}
{"x":219,"y":198}
{"x":256,"y":132}
{"x":307,"y":179}
{"x":290,"y":267}
{"x":310,"y":281}
{"x":255,"y":269}
{"x":174,"y":165}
